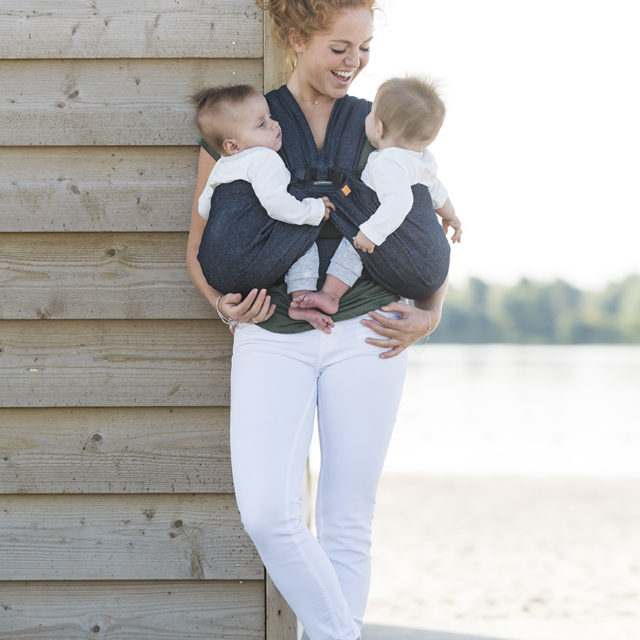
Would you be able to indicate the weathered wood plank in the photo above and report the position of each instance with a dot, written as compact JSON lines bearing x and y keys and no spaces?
{"x":130,"y":29}
{"x":140,"y":610}
{"x":125,"y":537}
{"x":109,"y":102}
{"x":95,"y":363}
{"x":97,"y":276}
{"x":281,"y":621}
{"x":96,"y":188}
{"x":122,"y":450}
{"x":276,"y":69}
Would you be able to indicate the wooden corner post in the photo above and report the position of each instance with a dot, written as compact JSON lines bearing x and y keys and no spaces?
{"x":275,"y":64}
{"x":281,"y":623}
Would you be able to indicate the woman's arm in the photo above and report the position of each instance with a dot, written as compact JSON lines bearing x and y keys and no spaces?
{"x":414,"y":323}
{"x":257,"y":305}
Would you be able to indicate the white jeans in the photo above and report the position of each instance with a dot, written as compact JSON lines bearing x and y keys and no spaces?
{"x":277,"y":381}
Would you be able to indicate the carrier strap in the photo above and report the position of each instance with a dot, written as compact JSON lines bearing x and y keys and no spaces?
{"x":242,"y":247}
{"x":343,"y":143}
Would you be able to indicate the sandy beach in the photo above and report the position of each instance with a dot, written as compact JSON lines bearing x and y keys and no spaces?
{"x":511,"y":558}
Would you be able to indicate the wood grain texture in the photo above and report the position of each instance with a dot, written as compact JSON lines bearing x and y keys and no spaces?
{"x":125,"y":537}
{"x":97,"y":276}
{"x":102,"y":363}
{"x":140,"y":610}
{"x":130,"y":29}
{"x":121,"y":450}
{"x":276,"y":69}
{"x":109,"y":102}
{"x":281,"y":621}
{"x":96,"y":188}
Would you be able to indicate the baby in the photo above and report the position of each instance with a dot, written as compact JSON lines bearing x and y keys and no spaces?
{"x":235,"y":122}
{"x":405,"y":118}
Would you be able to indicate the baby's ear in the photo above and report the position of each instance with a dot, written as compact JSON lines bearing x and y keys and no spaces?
{"x":230,"y":147}
{"x":379,"y":129}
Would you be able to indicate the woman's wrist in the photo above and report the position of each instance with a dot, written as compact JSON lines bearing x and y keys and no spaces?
{"x":225,"y":319}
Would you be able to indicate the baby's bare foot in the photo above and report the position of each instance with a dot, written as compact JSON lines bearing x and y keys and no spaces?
{"x":318,"y":300}
{"x":314,"y":317}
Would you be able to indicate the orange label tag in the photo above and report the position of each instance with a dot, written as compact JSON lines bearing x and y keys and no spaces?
{"x":346,"y":190}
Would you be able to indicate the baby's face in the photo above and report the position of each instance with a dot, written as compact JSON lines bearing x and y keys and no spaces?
{"x":253,"y":125}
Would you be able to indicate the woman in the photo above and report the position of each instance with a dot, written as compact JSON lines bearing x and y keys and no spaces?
{"x":282,"y":372}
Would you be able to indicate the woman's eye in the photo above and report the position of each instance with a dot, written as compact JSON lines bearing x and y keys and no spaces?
{"x":365,"y":49}
{"x":336,"y":51}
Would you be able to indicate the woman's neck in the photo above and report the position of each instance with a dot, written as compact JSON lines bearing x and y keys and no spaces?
{"x":315,"y":106}
{"x":305,"y":94}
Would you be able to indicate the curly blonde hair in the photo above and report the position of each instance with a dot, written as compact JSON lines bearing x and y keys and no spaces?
{"x":307,"y":17}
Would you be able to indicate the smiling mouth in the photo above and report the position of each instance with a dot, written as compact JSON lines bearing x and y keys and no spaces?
{"x":344,"y":77}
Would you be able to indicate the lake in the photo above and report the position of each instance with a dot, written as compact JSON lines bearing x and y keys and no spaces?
{"x":523,"y":410}
{"x":519,"y":410}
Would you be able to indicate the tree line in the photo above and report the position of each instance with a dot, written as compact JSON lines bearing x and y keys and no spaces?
{"x":532,"y":312}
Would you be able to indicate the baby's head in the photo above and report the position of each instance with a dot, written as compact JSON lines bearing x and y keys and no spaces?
{"x":407,"y":113}
{"x":232,"y":119}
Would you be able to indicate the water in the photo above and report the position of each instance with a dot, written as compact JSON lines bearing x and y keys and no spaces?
{"x":519,"y":410}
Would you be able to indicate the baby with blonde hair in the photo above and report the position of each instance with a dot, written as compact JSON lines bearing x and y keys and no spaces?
{"x":405,"y":119}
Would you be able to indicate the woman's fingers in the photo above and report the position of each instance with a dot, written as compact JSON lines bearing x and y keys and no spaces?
{"x":398,"y":307}
{"x":249,"y":299}
{"x":385,"y":321}
{"x":250,"y":306}
{"x":393,"y":346}
{"x":256,"y":306}
{"x":381,"y":330}
{"x":233,"y":306}
{"x":384,"y":342}
{"x":392,"y":352}
{"x":262,"y":300}
{"x":265,"y":312}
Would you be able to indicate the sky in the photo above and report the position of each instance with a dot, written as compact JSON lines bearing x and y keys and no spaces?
{"x":540,"y":146}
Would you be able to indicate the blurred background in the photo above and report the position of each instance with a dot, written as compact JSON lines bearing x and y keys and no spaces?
{"x":510,"y":502}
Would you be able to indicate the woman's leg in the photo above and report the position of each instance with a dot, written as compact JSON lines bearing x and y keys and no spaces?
{"x":358,"y":398}
{"x":273,"y":401}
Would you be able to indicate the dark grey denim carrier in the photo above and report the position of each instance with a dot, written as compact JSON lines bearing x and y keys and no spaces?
{"x":243,"y":248}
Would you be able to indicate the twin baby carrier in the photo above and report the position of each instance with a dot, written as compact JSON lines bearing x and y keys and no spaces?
{"x":243,"y":248}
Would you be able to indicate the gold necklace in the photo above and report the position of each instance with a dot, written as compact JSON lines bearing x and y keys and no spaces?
{"x":314,"y":102}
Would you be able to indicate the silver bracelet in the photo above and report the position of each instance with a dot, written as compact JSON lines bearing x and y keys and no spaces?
{"x":426,"y":338}
{"x":228,"y":321}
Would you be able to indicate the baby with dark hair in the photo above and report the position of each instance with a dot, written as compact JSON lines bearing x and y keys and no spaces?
{"x":235,"y":122}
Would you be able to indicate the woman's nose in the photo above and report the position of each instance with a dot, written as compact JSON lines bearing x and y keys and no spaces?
{"x":353,"y":58}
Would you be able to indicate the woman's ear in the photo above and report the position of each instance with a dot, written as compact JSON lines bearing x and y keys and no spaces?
{"x":230,"y":147}
{"x":295,"y":40}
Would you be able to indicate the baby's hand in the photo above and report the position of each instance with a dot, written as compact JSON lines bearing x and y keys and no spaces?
{"x":456,"y":225}
{"x":327,"y":205}
{"x":363,"y":243}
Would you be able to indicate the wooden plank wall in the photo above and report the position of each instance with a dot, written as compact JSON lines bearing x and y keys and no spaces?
{"x":118,"y":518}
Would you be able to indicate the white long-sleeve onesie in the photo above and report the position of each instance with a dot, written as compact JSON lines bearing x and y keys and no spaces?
{"x":391,"y":173}
{"x":265,"y":170}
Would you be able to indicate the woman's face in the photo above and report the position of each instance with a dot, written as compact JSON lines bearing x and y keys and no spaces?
{"x":329,"y":61}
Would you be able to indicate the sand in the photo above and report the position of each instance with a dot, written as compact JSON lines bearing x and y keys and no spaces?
{"x":520,"y":559}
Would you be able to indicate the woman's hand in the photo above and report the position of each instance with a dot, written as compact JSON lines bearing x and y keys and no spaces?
{"x":400,"y":333}
{"x":414,"y":322}
{"x":256,"y":307}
